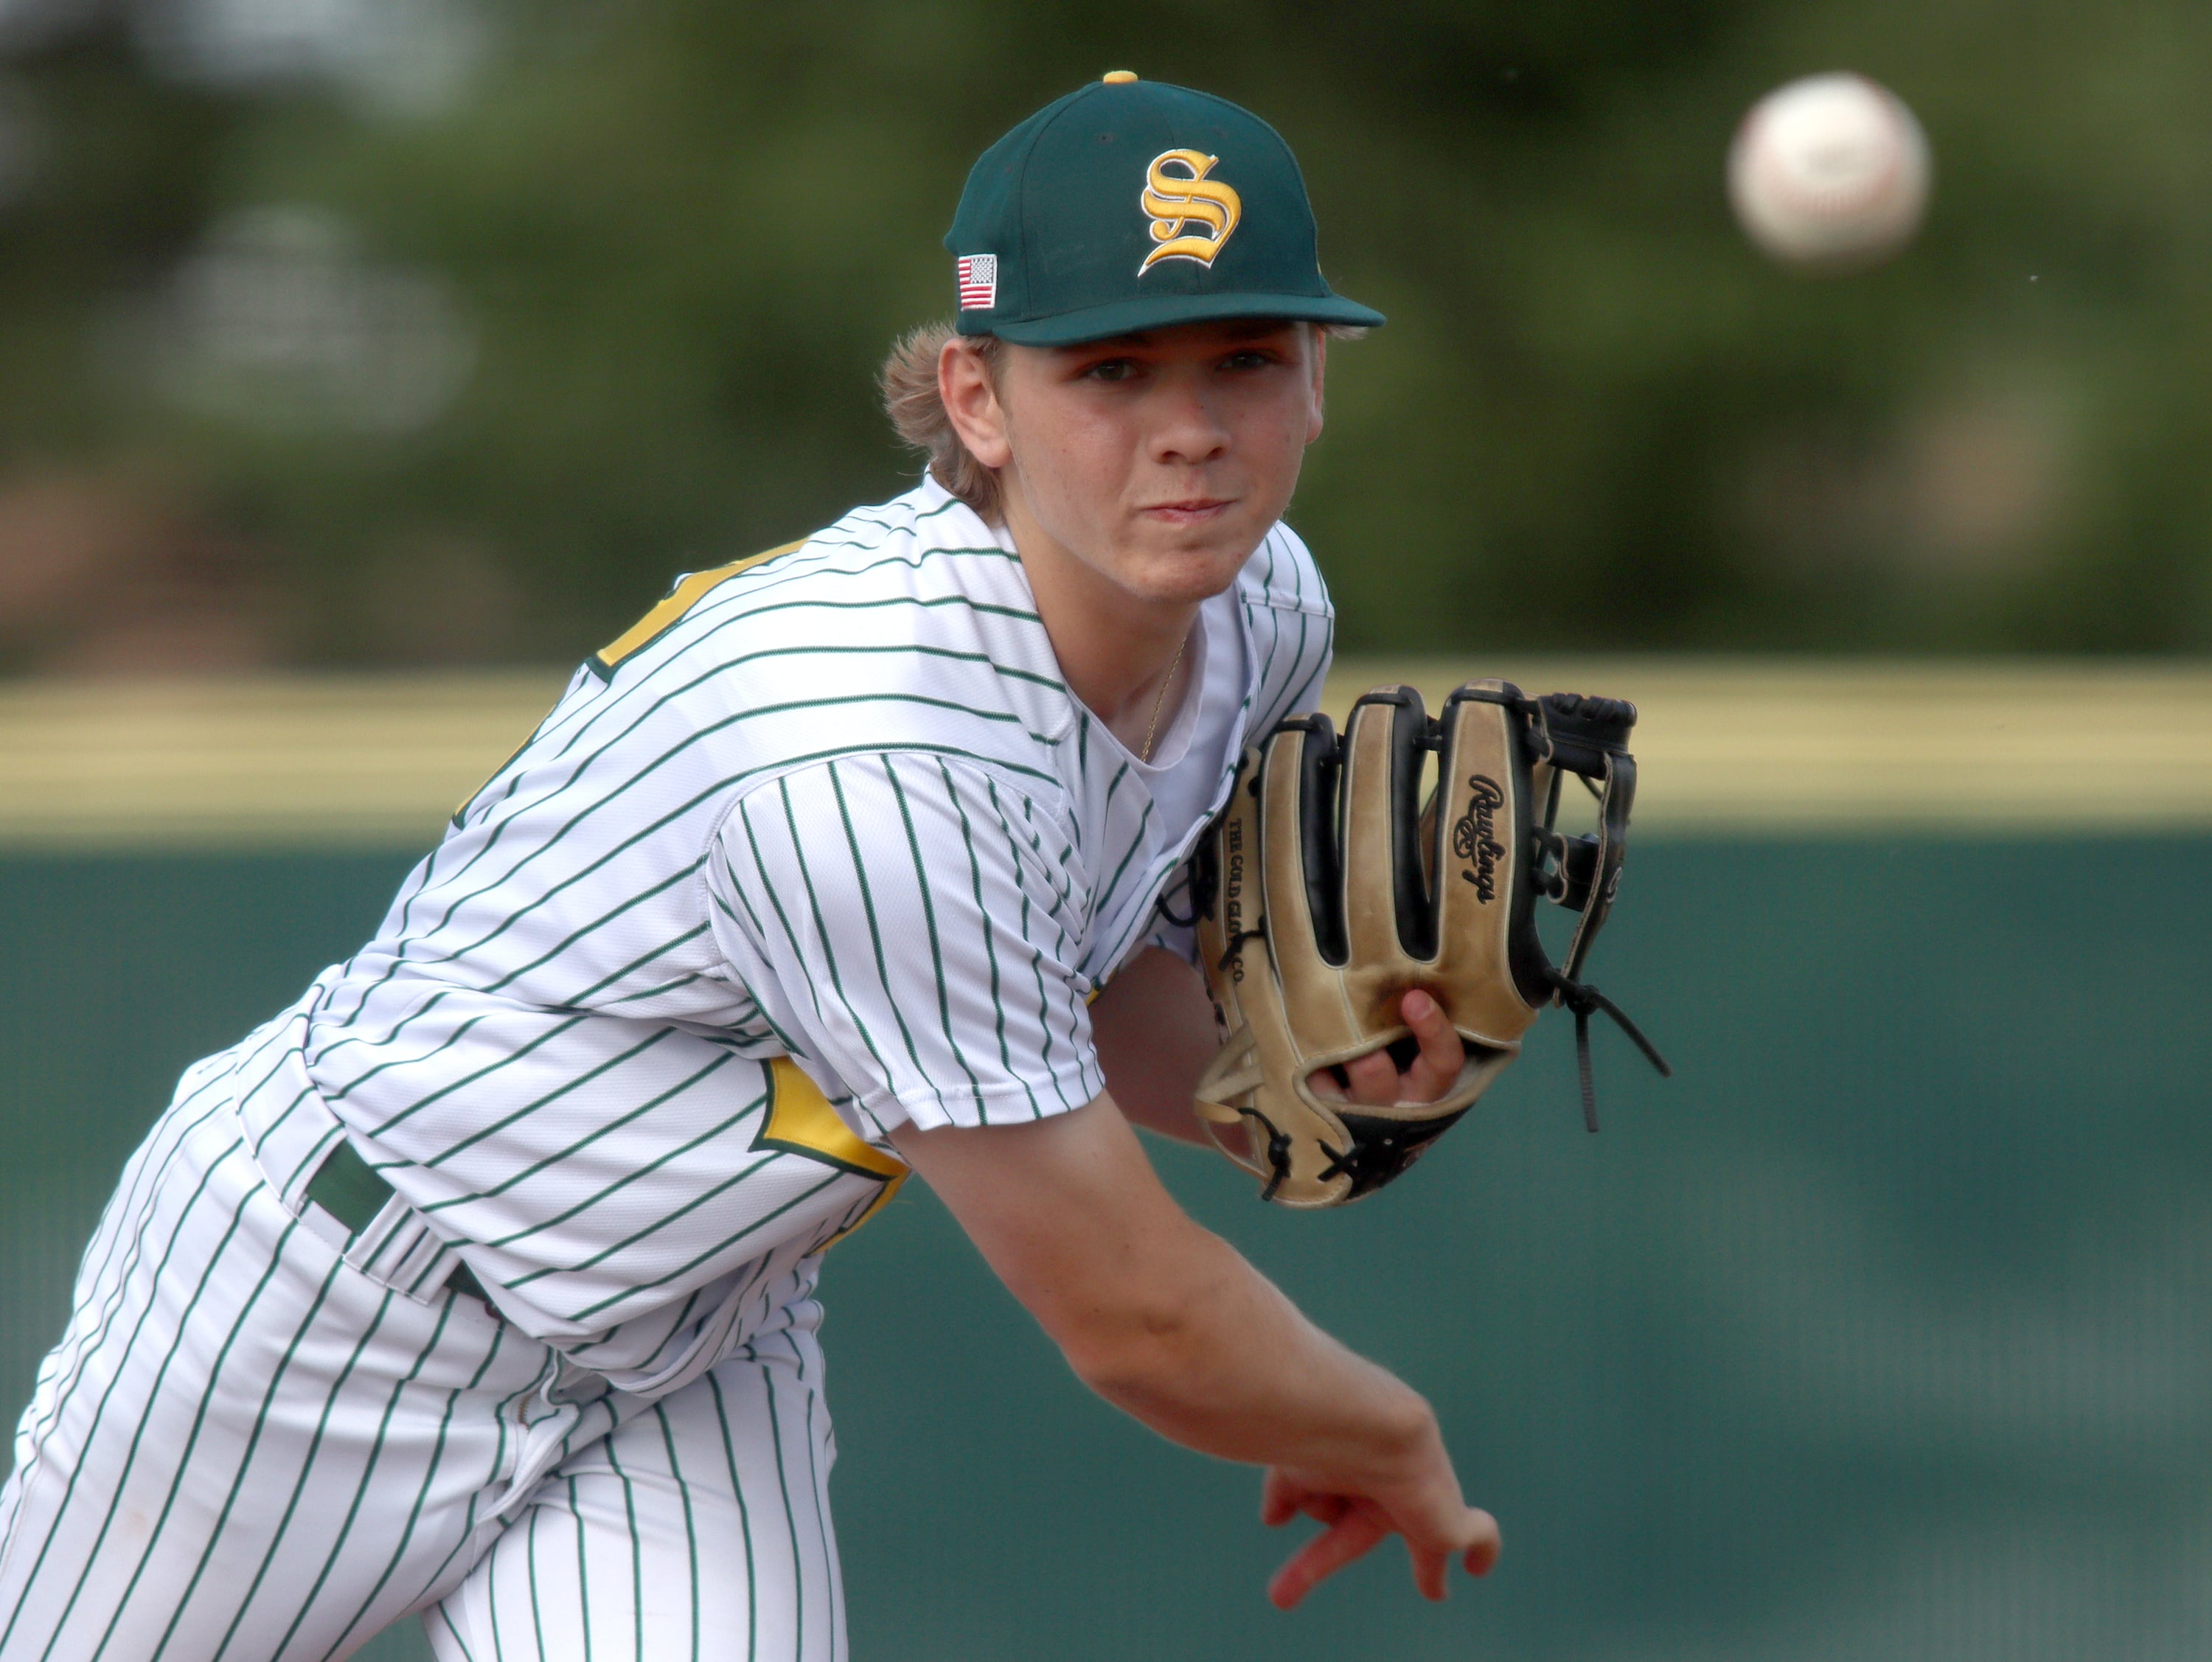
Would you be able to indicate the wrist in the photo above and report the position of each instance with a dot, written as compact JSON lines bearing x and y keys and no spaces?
{"x":1421,"y":1440}
{"x":1407,"y":1440}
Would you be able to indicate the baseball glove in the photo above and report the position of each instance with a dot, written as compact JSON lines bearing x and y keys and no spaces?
{"x":1327,"y":891}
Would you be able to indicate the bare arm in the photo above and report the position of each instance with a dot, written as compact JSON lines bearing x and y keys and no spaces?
{"x":1168,"y":1322}
{"x":1153,"y":1026}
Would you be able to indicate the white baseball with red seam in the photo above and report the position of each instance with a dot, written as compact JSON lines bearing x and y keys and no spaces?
{"x":1831,"y":171}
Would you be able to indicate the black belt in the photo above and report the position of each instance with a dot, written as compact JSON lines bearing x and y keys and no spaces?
{"x":347,"y":1188}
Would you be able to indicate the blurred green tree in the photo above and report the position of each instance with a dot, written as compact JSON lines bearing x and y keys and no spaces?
{"x":614,"y":310}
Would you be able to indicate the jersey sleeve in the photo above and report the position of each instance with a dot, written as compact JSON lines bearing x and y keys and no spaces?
{"x":909,"y":924}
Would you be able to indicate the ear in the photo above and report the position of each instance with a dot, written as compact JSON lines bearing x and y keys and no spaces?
{"x":1317,"y":349}
{"x":971,"y":403}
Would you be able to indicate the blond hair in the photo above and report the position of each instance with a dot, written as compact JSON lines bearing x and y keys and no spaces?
{"x":918,"y":413}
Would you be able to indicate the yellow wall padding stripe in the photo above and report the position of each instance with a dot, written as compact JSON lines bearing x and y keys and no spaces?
{"x":1726,"y":748}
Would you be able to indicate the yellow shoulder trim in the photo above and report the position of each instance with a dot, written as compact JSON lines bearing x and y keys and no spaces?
{"x":800,"y":1121}
{"x":681,"y":599}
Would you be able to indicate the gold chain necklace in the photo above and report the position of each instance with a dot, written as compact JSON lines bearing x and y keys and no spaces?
{"x":1161,"y":698}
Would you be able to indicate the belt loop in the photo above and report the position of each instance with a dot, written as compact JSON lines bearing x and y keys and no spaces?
{"x":353,"y":1192}
{"x":348,"y":1187}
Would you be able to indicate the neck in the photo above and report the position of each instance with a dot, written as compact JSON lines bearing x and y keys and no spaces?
{"x":1116,"y":650}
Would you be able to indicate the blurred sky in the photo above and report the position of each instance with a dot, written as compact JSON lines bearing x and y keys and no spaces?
{"x":392,"y":331}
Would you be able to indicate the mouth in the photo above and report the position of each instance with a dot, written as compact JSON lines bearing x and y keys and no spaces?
{"x":1188,"y":510}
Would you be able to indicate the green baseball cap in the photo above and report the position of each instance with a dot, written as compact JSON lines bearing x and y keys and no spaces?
{"x":1132,"y":204}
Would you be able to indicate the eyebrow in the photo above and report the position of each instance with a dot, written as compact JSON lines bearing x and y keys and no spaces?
{"x":1235,"y":329}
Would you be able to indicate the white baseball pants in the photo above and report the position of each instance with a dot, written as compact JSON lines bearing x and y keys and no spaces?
{"x":244,"y":1449}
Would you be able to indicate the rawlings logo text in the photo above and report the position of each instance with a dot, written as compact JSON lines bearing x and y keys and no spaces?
{"x":1474,"y":837}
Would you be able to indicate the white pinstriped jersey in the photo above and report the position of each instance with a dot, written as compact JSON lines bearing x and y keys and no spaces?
{"x":837,"y":809}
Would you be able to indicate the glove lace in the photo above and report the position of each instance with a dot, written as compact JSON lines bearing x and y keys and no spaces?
{"x":1584,"y":999}
{"x":1167,"y":912}
{"x":1279,"y":1153}
{"x":1257,"y":932}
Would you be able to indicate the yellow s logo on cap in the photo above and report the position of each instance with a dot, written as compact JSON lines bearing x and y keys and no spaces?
{"x":1177,"y":204}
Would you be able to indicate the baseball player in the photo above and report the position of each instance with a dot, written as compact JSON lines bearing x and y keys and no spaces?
{"x":480,"y":1282}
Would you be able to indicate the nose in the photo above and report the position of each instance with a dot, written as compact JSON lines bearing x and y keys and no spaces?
{"x":1188,"y":428}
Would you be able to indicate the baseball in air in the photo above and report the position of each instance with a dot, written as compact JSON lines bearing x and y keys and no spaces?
{"x":1829,"y":173}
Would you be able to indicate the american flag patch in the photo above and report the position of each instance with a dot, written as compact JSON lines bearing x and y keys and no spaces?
{"x":979,"y":282}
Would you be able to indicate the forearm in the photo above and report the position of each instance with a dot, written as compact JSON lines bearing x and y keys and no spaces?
{"x":1219,"y":1361}
{"x":1159,"y":1316}
{"x":1175,"y":1116}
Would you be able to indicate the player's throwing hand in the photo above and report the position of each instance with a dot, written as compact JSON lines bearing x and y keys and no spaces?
{"x":1437,"y":1524}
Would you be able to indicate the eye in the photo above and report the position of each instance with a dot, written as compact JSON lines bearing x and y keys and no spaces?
{"x":1110,"y":369}
{"x":1251,"y":357}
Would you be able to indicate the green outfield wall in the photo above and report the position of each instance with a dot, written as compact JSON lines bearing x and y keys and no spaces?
{"x":1882,"y":1332}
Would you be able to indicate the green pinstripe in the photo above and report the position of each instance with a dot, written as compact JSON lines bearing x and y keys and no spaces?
{"x":713,"y":1251}
{"x":423,"y":1494}
{"x":367,"y":1476}
{"x":583,"y":1569}
{"x":636,"y":1551}
{"x":744,"y":1522}
{"x":691,"y":1525}
{"x":100,"y":1414}
{"x":814,"y":905}
{"x":868,"y":909}
{"x":820,"y":1512}
{"x":990,"y":934}
{"x":145,"y":1175}
{"x":191,"y":1444}
{"x":253,"y":1442}
{"x":654,"y":1037}
{"x":607,"y":1129}
{"x":791,"y":1523}
{"x":306,"y":1466}
{"x":937,"y":946}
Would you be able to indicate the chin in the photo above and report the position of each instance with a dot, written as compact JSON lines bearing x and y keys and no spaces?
{"x":1197,"y":574}
{"x":1194,"y":566}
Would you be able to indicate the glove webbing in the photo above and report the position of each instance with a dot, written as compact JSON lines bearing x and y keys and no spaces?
{"x":1582,"y":998}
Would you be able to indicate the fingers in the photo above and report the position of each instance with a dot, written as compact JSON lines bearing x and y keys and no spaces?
{"x":1283,"y":1498}
{"x":1436,"y":1068}
{"x":1352,"y":1535}
{"x":1481,"y":1557}
{"x":1353,"y":1526}
{"x":1374,"y":1080}
{"x":1479,"y":1552}
{"x":1429,"y":1567}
